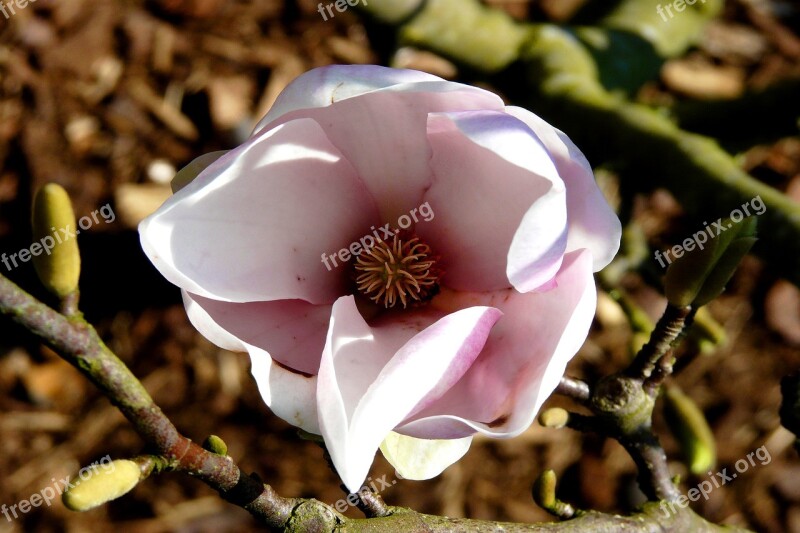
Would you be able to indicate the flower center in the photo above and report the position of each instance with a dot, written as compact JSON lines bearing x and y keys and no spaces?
{"x":402,"y":270}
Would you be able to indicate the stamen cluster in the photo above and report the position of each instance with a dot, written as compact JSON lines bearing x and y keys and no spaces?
{"x":398,"y":272}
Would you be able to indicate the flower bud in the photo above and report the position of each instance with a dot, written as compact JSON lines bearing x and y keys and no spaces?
{"x":215,"y":445}
{"x":689,"y":425}
{"x":700,"y":274}
{"x":555,"y":417}
{"x":544,"y":489}
{"x":102,"y":486}
{"x":58,"y":262}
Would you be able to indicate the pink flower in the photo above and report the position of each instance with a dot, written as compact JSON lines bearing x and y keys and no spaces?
{"x":461,"y":323}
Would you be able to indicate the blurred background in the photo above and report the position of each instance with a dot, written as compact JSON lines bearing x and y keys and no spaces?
{"x":110,"y":97}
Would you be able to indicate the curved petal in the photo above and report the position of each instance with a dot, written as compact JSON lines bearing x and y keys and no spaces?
{"x":258,"y":222}
{"x":382,"y":133}
{"x":422,"y":458}
{"x":592,"y":223}
{"x":524,"y":358}
{"x":291,"y":331}
{"x":500,"y":206}
{"x":370,"y":379}
{"x":291,"y":394}
{"x":323,"y":86}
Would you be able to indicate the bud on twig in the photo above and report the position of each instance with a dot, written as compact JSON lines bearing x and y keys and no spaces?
{"x":689,"y":424}
{"x":544,"y":494}
{"x":555,"y":417}
{"x":59,"y":267}
{"x":103,"y":485}
{"x":700,"y":275}
{"x":215,"y":445}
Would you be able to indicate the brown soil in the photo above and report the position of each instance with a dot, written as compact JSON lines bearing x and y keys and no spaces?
{"x":105,"y":96}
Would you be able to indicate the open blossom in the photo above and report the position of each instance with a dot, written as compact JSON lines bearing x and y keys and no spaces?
{"x":455,"y":323}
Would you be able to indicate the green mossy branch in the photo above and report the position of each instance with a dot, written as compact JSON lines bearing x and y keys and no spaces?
{"x":78,"y":343}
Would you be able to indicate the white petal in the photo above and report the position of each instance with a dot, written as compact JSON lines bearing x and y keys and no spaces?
{"x":255,"y":224}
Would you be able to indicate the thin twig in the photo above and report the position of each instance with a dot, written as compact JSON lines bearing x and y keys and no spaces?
{"x":78,"y":343}
{"x":574,"y":388}
{"x":668,"y":330}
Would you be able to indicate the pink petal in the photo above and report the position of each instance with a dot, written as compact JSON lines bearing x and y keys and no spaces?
{"x":592,"y":223}
{"x":289,"y":392}
{"x":323,"y":86}
{"x":524,"y":358}
{"x":289,"y":395}
{"x":370,"y":378}
{"x":255,"y":224}
{"x":500,"y":207}
{"x":291,"y":331}
{"x":382,"y":132}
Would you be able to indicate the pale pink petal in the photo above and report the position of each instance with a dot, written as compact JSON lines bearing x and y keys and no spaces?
{"x":370,"y":379}
{"x":291,"y":394}
{"x":499,"y":205}
{"x":383,"y":135}
{"x":323,"y":86}
{"x":291,"y":331}
{"x":592,"y":223}
{"x":524,"y":358}
{"x":255,"y":224}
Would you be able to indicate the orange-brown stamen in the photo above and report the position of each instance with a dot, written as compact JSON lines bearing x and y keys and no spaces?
{"x":401,"y":271}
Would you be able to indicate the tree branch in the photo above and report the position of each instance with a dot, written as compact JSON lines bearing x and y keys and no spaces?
{"x":78,"y":343}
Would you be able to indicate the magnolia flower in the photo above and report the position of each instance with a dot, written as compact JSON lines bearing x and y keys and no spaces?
{"x":459,"y":313}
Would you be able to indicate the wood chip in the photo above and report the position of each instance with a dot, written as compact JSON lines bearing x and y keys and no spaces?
{"x":350,"y":51}
{"x":702,"y":80}
{"x":163,"y":49}
{"x":283,"y":74}
{"x":135,"y":201}
{"x":412,"y":58}
{"x":230,"y":100}
{"x":172,"y":117}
